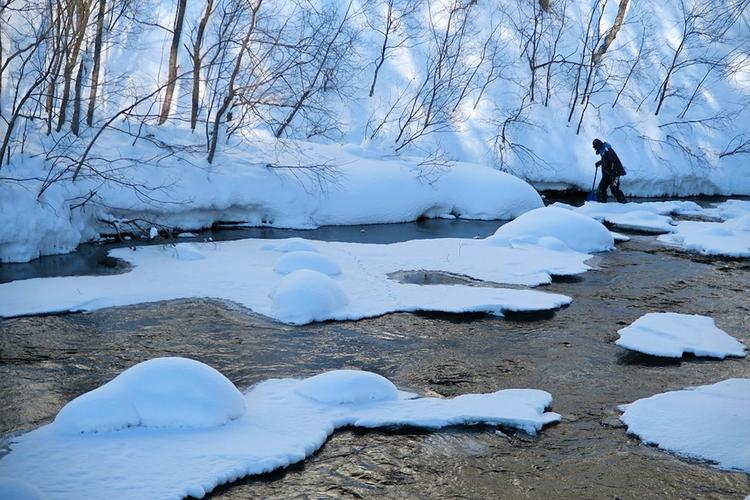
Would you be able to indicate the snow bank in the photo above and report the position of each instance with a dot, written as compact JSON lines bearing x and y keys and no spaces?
{"x":294,"y":261}
{"x":672,"y":334}
{"x":710,"y":422}
{"x":578,"y":232}
{"x":305,"y":296}
{"x":31,"y":227}
{"x":240,"y":271}
{"x":358,"y":189}
{"x":281,"y":426}
{"x":161,"y":392}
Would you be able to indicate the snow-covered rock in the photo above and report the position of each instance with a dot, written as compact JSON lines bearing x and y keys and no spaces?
{"x":306,"y":295}
{"x":286,"y":421}
{"x":710,"y":422}
{"x":348,"y":386}
{"x":314,"y":261}
{"x":162,"y":392}
{"x":579,"y":232}
{"x":671,"y":335}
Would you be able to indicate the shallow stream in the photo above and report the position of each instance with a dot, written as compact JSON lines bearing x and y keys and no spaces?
{"x":47,"y":360}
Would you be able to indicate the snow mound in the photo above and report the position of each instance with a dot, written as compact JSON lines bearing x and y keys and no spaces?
{"x":15,"y":489}
{"x":294,"y":261}
{"x":305,"y":296}
{"x":163,"y":392}
{"x":672,"y":334}
{"x":282,"y":425}
{"x":730,"y":238}
{"x":642,"y":220}
{"x":348,"y":386}
{"x":579,"y":232}
{"x":293,"y":245}
{"x":710,"y":422}
{"x":184,"y":251}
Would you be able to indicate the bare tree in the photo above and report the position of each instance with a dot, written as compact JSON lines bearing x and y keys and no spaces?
{"x":179,"y":21}
{"x":394,"y":29}
{"x":197,"y":57}
{"x":98,"y":43}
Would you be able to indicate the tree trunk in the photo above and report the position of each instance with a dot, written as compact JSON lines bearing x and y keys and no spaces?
{"x":81,"y":20}
{"x":173,"y":52}
{"x":197,"y":59}
{"x":97,"y":61}
{"x":612,"y":33}
{"x":75,"y":120}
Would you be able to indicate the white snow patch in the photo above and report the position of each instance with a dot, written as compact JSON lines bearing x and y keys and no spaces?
{"x":710,"y":422}
{"x":15,"y":489}
{"x":730,"y":238}
{"x":347,"y":387}
{"x":294,"y":261}
{"x":305,"y":296}
{"x":160,"y":392}
{"x":241,"y":271}
{"x":672,"y":334}
{"x":579,"y":232}
{"x":642,"y":220}
{"x":280,"y":427}
{"x":293,"y":245}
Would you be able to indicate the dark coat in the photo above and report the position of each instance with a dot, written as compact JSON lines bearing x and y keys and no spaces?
{"x":610,"y":162}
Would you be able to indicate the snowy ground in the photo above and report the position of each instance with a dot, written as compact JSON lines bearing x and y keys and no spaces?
{"x":725,"y":230}
{"x":710,"y":422}
{"x":284,"y":421}
{"x":672,"y":334}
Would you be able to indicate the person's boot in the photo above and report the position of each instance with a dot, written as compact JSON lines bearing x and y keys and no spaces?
{"x":621,"y":197}
{"x":601,"y":197}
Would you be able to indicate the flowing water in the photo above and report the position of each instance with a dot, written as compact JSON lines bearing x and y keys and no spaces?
{"x":47,"y":360}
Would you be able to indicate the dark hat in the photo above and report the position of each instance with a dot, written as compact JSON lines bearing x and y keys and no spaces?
{"x":597,"y":144}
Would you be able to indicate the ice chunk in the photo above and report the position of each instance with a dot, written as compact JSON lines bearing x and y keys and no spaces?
{"x":347,"y":386}
{"x":163,"y":392}
{"x":710,"y":422}
{"x":293,"y":261}
{"x":730,"y":238}
{"x":671,"y":334}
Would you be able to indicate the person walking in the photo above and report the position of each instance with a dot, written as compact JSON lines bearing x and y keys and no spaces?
{"x":612,"y":170}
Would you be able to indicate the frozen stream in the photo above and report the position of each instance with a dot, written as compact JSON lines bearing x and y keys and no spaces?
{"x":47,"y":360}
